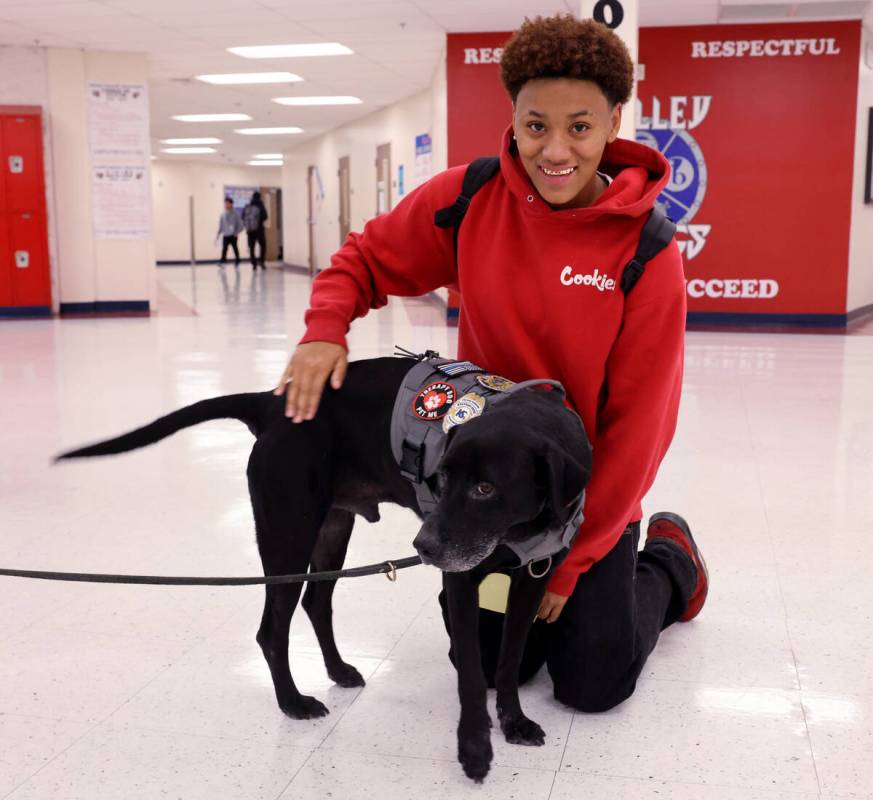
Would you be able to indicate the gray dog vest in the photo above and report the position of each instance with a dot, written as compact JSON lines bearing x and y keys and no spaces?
{"x":438,"y":394}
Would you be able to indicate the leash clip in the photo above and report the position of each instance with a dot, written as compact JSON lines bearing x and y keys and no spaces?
{"x":542,"y":574}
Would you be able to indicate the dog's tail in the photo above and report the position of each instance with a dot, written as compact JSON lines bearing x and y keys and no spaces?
{"x":247,"y":408}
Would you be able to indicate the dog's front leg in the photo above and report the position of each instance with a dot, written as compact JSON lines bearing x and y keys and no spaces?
{"x":525,"y":594}
{"x":474,"y":727}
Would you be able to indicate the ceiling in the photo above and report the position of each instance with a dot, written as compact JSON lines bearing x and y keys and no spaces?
{"x":397,"y":46}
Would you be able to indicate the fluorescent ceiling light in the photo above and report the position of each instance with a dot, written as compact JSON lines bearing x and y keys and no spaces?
{"x":292,"y":50}
{"x":201,"y":140}
{"x":212,"y":117}
{"x":273,"y":156}
{"x":336,"y":100}
{"x":250,"y":77}
{"x":265,"y":163}
{"x":188,"y":150}
{"x":267,"y":131}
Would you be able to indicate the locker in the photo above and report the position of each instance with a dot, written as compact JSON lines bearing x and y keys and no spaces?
{"x":28,"y":262}
{"x":22,"y":157}
{"x":5,"y":263}
{"x":24,"y":269}
{"x":2,"y":172}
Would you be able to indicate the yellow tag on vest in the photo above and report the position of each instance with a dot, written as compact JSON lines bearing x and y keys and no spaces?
{"x":494,"y":592}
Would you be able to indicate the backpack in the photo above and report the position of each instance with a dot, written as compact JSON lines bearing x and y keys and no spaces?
{"x":251,"y":217}
{"x":654,"y":237}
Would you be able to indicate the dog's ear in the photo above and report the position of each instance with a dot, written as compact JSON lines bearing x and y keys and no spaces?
{"x":563,"y":476}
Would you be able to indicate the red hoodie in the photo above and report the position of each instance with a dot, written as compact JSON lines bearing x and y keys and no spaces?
{"x":523,"y":315}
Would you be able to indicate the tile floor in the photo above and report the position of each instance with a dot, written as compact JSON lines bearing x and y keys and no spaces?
{"x":143,"y":692}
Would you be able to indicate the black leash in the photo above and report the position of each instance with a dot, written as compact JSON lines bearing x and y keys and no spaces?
{"x":388,"y":568}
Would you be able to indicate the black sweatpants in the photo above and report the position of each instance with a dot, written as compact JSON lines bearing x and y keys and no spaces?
{"x":229,"y":241}
{"x":596,"y":649}
{"x":255,"y":238}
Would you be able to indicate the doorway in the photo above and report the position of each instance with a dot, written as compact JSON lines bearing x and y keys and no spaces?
{"x":312,"y":204}
{"x":272,"y":198}
{"x":345,"y":199}
{"x":383,"y":178}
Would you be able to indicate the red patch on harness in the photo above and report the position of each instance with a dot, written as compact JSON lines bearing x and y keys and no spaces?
{"x":433,"y":401}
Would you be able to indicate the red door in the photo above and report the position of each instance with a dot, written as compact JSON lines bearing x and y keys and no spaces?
{"x":24,"y":265}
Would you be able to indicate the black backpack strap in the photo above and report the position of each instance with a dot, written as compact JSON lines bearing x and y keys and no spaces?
{"x":478,"y":173}
{"x":657,"y":233}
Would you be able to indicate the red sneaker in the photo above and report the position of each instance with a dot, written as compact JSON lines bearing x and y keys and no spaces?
{"x":671,"y":526}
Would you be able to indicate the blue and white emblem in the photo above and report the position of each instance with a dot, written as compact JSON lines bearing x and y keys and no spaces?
{"x":684,"y":194}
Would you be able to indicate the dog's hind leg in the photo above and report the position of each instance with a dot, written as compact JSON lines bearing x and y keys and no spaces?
{"x":287,"y":521}
{"x":329,"y":555}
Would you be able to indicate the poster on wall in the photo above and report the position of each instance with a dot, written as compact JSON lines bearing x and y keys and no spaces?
{"x":121,"y":202}
{"x":240,"y":195}
{"x":423,"y":158}
{"x":762,"y":197}
{"x":118,"y":120}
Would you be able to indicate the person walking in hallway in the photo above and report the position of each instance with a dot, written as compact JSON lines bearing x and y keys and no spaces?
{"x":254,"y":216}
{"x":229,"y":226}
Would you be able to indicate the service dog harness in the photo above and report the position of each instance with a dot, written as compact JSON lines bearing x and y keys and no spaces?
{"x":438,"y":394}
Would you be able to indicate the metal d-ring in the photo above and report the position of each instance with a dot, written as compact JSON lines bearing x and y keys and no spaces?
{"x":391,"y":574}
{"x":541,"y":574}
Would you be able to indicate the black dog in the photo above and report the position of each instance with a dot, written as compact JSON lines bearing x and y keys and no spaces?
{"x":507,"y":476}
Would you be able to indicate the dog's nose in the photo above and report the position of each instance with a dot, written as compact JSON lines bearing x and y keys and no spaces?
{"x":427,"y":548}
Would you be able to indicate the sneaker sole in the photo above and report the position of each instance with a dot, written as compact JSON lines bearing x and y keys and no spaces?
{"x":692,"y":610}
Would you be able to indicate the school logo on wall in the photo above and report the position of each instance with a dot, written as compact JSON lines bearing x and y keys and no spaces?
{"x":682,"y":197}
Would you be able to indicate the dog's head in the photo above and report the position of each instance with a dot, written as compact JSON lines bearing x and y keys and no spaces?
{"x":507,"y":476}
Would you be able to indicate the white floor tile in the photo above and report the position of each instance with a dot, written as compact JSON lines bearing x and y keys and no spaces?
{"x":27,"y":744}
{"x":226,"y":691}
{"x":77,"y":676}
{"x":414,"y":708}
{"x":595,"y":787}
{"x":113,"y":762}
{"x":841,"y":730}
{"x":356,"y":776}
{"x":698,"y":733}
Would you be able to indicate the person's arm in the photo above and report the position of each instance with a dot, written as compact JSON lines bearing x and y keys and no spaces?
{"x":399,"y":253}
{"x":637,"y":422}
{"x":237,"y":223}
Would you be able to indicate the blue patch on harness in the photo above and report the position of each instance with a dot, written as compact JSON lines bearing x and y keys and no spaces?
{"x":458,"y":368}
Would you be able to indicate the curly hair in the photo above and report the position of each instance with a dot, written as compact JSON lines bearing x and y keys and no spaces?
{"x":565,"y":47}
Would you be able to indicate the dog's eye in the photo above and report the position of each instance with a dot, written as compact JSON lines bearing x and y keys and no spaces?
{"x":483,"y":489}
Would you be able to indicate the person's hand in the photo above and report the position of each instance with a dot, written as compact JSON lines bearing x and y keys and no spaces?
{"x":551,"y":606}
{"x":306,"y":374}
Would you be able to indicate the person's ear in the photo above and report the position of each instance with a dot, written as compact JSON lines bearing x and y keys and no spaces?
{"x":614,"y":122}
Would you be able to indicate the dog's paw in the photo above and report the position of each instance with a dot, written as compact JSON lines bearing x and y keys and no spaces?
{"x":475,"y":754}
{"x":304,"y":707}
{"x":521,"y":730}
{"x":345,"y":675}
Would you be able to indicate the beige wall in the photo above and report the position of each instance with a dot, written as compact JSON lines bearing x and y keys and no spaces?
{"x":860,"y":286}
{"x":83,"y":269}
{"x":174,"y":182}
{"x":399,"y":125}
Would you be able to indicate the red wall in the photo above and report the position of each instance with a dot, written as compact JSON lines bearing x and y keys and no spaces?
{"x":761,"y":183}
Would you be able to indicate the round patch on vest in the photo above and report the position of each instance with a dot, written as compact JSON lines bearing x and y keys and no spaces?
{"x":463,"y":410}
{"x":433,"y":401}
{"x":495,"y":383}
